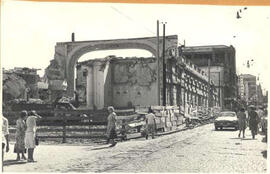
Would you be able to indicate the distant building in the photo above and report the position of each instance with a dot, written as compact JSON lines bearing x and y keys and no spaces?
{"x":259,"y":95}
{"x":248,"y":88}
{"x":220,"y":61}
{"x":265,"y":99}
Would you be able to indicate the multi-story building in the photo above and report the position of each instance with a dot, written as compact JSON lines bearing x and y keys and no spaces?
{"x":129,"y":82}
{"x":259,"y":95}
{"x":248,"y":88}
{"x":219,"y":62}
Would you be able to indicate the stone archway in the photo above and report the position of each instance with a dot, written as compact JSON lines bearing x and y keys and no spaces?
{"x":68,"y":53}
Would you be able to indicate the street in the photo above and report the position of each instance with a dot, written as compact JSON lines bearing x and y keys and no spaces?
{"x":201,"y":149}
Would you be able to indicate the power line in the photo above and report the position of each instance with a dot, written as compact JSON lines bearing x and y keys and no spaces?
{"x":130,"y":19}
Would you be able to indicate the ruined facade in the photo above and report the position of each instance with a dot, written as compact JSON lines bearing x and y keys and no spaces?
{"x":129,"y":82}
{"x":118,"y":82}
{"x":220,"y":59}
{"x":67,"y":55}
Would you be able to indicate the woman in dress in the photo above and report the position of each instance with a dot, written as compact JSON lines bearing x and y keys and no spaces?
{"x":253,"y":120}
{"x":30,"y":134}
{"x":20,"y":135}
{"x":242,"y":122}
{"x":111,"y":127}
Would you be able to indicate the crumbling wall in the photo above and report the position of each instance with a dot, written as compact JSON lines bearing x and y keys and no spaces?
{"x":134,"y":82}
{"x":81,"y":83}
{"x":54,"y":71}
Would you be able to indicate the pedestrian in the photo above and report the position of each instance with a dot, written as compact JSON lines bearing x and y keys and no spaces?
{"x":260,"y":113}
{"x":30,"y":134}
{"x":150,"y":124}
{"x":111,"y":127}
{"x":123,"y":130}
{"x":242,"y":119}
{"x":19,"y":146}
{"x":5,"y":138}
{"x":253,"y":120}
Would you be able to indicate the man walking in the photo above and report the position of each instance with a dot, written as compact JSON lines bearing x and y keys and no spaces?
{"x":150,"y":124}
{"x":260,"y":113}
{"x":111,"y":127}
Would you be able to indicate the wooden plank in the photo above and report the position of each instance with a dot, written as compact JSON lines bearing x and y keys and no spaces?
{"x":127,"y":117}
{"x":157,"y":107}
{"x":143,"y":110}
{"x":80,"y":136}
{"x":82,"y":111}
{"x":123,"y":110}
{"x":71,"y":124}
{"x":42,"y":130}
{"x":171,"y":107}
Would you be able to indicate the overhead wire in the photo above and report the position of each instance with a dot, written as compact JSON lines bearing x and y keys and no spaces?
{"x":130,"y":19}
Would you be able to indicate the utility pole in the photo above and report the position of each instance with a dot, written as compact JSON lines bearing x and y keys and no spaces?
{"x":209,"y":80}
{"x":219,"y":100}
{"x":164,"y":66}
{"x":73,"y":37}
{"x":158,"y":70}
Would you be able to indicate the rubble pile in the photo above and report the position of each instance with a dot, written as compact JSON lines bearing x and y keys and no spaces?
{"x":13,"y":86}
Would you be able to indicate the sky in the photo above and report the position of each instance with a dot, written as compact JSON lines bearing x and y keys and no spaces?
{"x":30,"y":30}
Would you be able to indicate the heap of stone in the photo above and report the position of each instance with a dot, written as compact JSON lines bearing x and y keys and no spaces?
{"x":13,"y":86}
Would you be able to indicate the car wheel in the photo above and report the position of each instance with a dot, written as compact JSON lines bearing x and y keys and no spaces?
{"x":236,"y":128}
{"x":221,"y":128}
{"x":216,"y":128}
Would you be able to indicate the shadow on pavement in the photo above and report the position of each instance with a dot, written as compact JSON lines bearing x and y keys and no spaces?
{"x":264,"y":153}
{"x":100,"y":148}
{"x":236,"y":138}
{"x":249,"y":139}
{"x":225,"y":130}
{"x":13,"y":162}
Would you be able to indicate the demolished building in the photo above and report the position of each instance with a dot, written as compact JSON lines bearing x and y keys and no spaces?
{"x":130,"y":82}
{"x":20,"y":83}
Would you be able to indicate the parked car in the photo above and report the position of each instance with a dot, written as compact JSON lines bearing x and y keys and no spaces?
{"x":226,"y":119}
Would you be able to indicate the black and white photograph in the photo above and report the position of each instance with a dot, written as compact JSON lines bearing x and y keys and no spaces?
{"x":123,"y":87}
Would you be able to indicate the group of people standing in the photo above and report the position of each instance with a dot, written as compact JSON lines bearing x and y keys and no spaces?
{"x":150,"y":126}
{"x":25,"y":135}
{"x":250,"y":118}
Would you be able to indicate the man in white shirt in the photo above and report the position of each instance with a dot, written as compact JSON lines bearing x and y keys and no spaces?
{"x":150,"y":124}
{"x":5,"y":137}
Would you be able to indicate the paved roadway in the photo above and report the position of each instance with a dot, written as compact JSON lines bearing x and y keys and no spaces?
{"x":197,"y":150}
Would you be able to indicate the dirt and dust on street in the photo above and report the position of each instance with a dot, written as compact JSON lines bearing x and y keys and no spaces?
{"x":196,"y":150}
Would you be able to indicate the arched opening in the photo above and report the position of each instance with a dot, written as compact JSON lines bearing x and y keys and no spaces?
{"x":67,"y":55}
{"x":116,"y":53}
